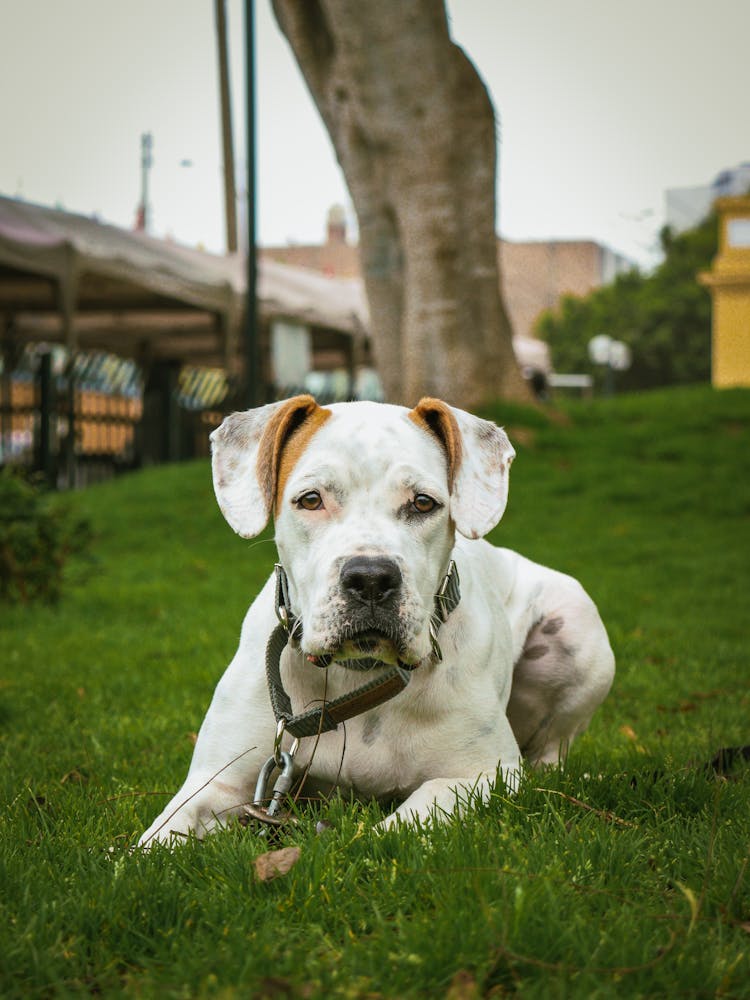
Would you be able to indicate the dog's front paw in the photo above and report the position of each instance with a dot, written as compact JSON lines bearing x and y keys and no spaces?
{"x":200,"y":807}
{"x":439,"y":799}
{"x":390,"y":821}
{"x":168,"y":833}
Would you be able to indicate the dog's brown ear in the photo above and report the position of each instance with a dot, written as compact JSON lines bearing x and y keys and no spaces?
{"x":479,"y":457}
{"x":250,"y":461}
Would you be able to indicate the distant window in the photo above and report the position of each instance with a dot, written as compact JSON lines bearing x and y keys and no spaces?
{"x":738,"y":232}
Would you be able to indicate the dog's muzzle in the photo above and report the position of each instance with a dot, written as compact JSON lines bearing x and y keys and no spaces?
{"x":371,"y":590}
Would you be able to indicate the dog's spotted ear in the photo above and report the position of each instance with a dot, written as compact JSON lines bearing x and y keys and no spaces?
{"x":251,"y":455}
{"x":479,"y":456}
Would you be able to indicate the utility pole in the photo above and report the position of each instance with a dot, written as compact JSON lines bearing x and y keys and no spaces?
{"x":230,"y":196}
{"x":143,"y":217}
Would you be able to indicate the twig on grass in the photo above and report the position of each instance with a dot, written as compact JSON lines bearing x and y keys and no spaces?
{"x":603,"y":970}
{"x":197,"y":790}
{"x":303,"y":779}
{"x":604,"y":814}
{"x":127,"y":795}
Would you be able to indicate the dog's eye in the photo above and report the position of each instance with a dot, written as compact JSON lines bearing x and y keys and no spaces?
{"x":310,"y":501}
{"x":423,"y":504}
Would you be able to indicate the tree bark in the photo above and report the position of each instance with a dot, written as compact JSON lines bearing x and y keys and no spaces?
{"x":414,"y":131}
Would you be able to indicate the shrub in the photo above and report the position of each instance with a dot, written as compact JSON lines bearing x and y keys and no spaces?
{"x":38,"y":533}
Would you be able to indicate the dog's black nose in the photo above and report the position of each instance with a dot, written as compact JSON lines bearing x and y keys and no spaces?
{"x":371,"y":579}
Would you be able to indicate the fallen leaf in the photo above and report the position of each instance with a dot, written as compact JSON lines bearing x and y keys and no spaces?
{"x":274,"y":863}
{"x":271,"y":987}
{"x":629,"y":732}
{"x":463,"y":987}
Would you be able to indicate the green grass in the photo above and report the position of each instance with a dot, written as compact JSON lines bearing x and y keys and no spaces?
{"x":625,"y":875}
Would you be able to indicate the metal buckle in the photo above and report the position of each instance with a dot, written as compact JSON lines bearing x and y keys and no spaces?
{"x":446,"y":594}
{"x":436,"y":650}
{"x":440,"y":598}
{"x":282,"y":612}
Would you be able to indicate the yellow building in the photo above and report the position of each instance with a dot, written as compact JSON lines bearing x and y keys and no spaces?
{"x":729,"y":283}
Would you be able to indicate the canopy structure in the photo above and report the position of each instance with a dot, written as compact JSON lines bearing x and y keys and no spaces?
{"x":69,"y":279}
{"x":307,"y":296}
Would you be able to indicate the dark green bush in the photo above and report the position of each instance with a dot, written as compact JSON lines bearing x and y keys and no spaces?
{"x":38,"y":533}
{"x":664,"y":317}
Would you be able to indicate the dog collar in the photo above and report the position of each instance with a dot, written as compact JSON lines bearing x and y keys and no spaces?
{"x":327,"y":717}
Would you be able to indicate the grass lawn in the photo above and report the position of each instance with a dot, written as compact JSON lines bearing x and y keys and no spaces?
{"x":625,"y":875}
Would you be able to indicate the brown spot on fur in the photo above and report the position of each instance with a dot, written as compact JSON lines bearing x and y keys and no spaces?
{"x":435,"y":416}
{"x":535,"y":652}
{"x":552,"y":626}
{"x":284,"y":439}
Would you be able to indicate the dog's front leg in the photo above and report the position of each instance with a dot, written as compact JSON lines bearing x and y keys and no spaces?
{"x":233,"y":743}
{"x":231,"y":748}
{"x":204,"y":803}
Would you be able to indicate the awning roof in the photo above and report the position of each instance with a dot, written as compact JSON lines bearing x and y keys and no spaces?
{"x":110,"y":266}
{"x":71,"y":279}
{"x":310,"y":297}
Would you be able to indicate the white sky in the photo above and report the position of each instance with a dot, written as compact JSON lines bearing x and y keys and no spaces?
{"x":603,"y":104}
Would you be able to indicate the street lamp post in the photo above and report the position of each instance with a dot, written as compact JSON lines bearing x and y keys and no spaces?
{"x":253,"y":387}
{"x":613,"y":355}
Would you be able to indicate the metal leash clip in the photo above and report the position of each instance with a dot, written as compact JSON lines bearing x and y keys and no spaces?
{"x":263,"y":808}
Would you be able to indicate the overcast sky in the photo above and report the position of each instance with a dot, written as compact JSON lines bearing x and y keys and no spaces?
{"x":602,"y":106}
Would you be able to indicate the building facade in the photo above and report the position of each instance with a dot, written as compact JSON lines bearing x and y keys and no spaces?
{"x":534,"y":274}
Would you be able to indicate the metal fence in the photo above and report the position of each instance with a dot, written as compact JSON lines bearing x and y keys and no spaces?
{"x":82,"y":419}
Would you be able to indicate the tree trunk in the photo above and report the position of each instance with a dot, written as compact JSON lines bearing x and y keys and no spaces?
{"x":414,"y":131}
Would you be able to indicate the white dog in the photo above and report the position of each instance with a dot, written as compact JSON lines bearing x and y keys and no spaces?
{"x":377,"y":509}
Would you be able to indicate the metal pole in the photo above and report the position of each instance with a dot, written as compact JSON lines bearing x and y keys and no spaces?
{"x":252,"y":366}
{"x":609,"y":375}
{"x":147,"y":160}
{"x":230,"y":197}
{"x":69,"y":447}
{"x":46,"y":410}
{"x":6,"y":411}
